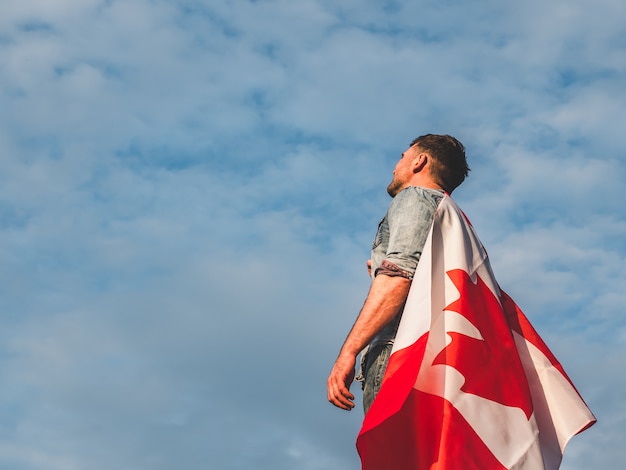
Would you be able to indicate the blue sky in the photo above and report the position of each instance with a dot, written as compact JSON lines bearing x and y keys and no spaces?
{"x":189,"y":189}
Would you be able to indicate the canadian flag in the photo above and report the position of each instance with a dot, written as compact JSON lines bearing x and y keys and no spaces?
{"x":469,"y":384}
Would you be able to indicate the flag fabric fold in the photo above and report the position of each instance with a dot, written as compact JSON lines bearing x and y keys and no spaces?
{"x":469,"y":384}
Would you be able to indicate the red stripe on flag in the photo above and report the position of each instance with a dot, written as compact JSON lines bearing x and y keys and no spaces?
{"x":398,"y":382}
{"x":428,"y":434}
{"x":520,"y":324}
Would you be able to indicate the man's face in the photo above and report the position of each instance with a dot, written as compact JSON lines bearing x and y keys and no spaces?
{"x":403,"y":172}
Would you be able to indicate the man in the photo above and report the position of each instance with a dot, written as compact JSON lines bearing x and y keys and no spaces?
{"x":432,"y":166}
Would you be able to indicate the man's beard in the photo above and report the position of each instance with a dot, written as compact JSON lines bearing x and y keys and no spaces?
{"x":394,"y":187}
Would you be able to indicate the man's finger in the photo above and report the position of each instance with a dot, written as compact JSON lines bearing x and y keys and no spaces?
{"x":339,"y":395}
{"x":342,"y":402}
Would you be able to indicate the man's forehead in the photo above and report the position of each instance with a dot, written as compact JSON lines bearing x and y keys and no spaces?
{"x":412,"y":149}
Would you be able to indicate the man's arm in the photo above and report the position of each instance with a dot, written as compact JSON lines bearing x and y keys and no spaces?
{"x":385,"y":299}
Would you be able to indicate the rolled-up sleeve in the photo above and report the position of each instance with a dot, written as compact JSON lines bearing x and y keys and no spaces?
{"x":389,"y":269}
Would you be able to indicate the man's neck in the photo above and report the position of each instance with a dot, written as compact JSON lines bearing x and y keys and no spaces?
{"x":424,"y":181}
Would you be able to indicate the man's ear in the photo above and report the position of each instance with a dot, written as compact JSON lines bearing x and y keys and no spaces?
{"x":420,"y":162}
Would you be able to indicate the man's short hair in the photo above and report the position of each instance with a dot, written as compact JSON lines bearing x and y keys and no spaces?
{"x":448,"y":165}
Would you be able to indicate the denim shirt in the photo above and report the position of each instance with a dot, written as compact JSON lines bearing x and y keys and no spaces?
{"x":400,"y":239}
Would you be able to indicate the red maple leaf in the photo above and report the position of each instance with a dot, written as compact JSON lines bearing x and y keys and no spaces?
{"x":491,"y":366}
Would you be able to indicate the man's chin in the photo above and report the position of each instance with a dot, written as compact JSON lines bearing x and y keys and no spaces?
{"x":394,"y":188}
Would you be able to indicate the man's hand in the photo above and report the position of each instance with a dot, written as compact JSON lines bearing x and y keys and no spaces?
{"x":339,"y":382}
